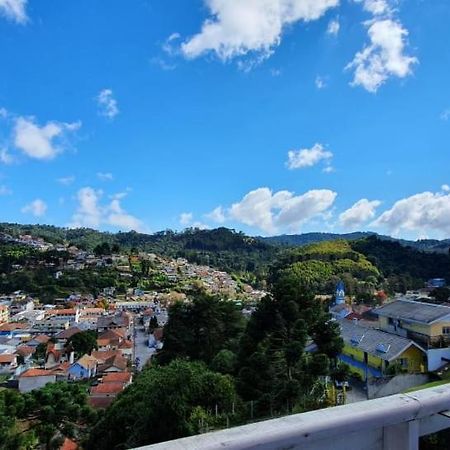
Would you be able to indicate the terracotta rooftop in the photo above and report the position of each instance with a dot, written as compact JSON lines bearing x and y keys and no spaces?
{"x":13,"y":326}
{"x":107,"y":388}
{"x":67,"y":334}
{"x":68,"y":444}
{"x":25,"y":350}
{"x":119,"y":377}
{"x":7,"y":358}
{"x":36,"y":373}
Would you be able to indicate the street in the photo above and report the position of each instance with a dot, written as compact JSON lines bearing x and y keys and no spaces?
{"x":142,"y":351}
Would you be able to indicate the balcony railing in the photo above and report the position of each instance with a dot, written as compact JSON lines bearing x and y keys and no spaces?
{"x":390,"y":423}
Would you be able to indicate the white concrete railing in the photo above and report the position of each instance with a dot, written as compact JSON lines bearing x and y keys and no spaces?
{"x":390,"y":423}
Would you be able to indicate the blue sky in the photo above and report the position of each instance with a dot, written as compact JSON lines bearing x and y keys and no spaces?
{"x":268,"y":116}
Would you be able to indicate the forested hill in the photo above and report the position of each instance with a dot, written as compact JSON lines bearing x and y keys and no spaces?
{"x":299,"y":240}
{"x":222,"y":248}
{"x":405,"y":265}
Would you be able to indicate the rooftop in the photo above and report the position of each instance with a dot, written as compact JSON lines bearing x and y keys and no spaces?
{"x":378,"y":343}
{"x":414,"y":311}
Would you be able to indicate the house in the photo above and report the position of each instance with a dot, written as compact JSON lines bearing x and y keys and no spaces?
{"x":39,"y":339}
{"x":120,"y":377}
{"x":370,"y":352}
{"x":427,"y":324}
{"x":25,"y":352}
{"x":4,"y":313}
{"x":65,"y":335}
{"x":8,"y":362}
{"x":121,"y":320}
{"x":72,"y":315}
{"x":111,"y":339}
{"x":84,"y":368}
{"x":103,"y":395}
{"x":35,"y":379}
{"x":110,"y":361}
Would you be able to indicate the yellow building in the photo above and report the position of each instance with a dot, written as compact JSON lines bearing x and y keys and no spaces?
{"x":369,"y":352}
{"x":425,"y":323}
{"x":4,"y":314}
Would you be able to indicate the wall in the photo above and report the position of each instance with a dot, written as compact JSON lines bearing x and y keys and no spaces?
{"x":395,"y":385}
{"x":27,"y":384}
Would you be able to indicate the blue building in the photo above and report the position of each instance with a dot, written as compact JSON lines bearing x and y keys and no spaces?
{"x":84,"y":368}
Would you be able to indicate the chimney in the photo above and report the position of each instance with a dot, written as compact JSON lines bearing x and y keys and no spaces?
{"x":72,"y":357}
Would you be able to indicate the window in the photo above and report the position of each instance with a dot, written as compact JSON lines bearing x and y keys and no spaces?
{"x":445,"y":330}
{"x":403,"y":362}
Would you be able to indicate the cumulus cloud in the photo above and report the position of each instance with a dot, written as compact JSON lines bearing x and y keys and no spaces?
{"x":217,"y":215}
{"x":308,"y":157}
{"x":376,"y":7}
{"x":445,"y":188}
{"x":423,"y":213}
{"x":270,"y":211}
{"x":186,"y":218}
{"x":360,"y":213}
{"x":107,"y":104}
{"x":238,"y":27}
{"x":14,"y":10}
{"x":37,"y":208}
{"x":105,"y":176}
{"x":333,"y":27}
{"x":91,"y":213}
{"x":383,"y":57}
{"x":42,"y":142}
{"x":66,"y":181}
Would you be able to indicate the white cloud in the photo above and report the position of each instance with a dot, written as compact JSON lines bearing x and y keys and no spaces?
{"x":217,"y":215}
{"x":105,"y":176}
{"x":299,"y":159}
{"x":66,"y":181}
{"x":320,"y":82}
{"x":169,"y":45}
{"x":200,"y":226}
{"x":333,"y":27}
{"x":4,"y":190}
{"x":41,"y":142}
{"x":14,"y":10}
{"x":37,"y":208}
{"x":360,"y":213}
{"x":5,"y":156}
{"x":107,"y":104}
{"x":92,"y":214}
{"x":383,"y":57}
{"x":376,"y":7}
{"x":270,"y":211}
{"x":445,"y":188}
{"x":186,"y":218}
{"x":445,"y":115}
{"x":3,"y":113}
{"x":238,"y":27}
{"x":424,"y":212}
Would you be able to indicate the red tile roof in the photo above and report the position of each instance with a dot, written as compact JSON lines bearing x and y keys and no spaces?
{"x":25,"y":350}
{"x":107,"y":388}
{"x":119,"y":377}
{"x":13,"y":326}
{"x":7,"y":358}
{"x":36,"y":373}
{"x":68,"y":444}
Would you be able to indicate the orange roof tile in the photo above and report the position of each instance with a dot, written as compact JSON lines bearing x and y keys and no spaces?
{"x":68,"y":444}
{"x":119,"y":377}
{"x":36,"y":373}
{"x":108,"y":388}
{"x":7,"y":358}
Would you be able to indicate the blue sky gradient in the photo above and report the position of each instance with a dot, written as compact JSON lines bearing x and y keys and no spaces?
{"x":179,"y":135}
